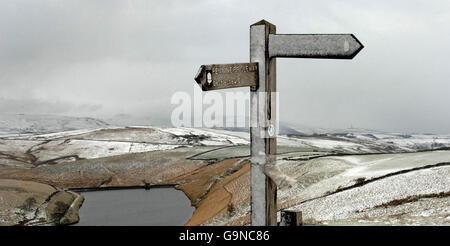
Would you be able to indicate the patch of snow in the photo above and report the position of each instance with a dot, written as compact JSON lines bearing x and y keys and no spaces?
{"x":329,"y":144}
{"x":211,"y":136}
{"x":350,"y":158}
{"x":89,"y":149}
{"x":144,"y":147}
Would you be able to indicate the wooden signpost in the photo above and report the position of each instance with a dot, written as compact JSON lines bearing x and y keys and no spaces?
{"x":260,"y":75}
{"x":223,"y":76}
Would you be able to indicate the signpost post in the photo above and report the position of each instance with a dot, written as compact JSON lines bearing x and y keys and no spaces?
{"x":260,"y":75}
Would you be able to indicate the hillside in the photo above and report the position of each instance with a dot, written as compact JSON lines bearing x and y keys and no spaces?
{"x":38,"y":124}
{"x":355,"y":177}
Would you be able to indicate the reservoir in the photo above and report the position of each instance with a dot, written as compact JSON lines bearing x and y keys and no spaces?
{"x":135,"y":207}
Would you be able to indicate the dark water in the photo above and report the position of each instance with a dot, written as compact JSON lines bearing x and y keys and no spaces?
{"x":156,"y":206}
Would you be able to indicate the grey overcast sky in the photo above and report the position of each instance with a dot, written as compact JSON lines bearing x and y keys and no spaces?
{"x":107,"y":57}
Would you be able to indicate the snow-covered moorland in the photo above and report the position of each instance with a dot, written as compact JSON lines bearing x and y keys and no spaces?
{"x":354,"y":176}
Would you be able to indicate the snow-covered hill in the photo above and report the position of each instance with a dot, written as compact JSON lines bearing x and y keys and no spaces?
{"x":352,"y":175}
{"x":84,"y":132}
{"x":38,"y":124}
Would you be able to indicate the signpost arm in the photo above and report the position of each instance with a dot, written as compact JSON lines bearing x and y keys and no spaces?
{"x":263,"y":116}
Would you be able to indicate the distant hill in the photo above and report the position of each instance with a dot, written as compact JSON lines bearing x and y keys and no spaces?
{"x":28,"y":123}
{"x":299,"y":130}
{"x":39,"y":124}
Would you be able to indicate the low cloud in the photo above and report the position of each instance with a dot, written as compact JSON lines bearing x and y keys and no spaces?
{"x":103,"y":58}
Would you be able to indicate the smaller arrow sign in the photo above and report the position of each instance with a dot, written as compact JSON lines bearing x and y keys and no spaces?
{"x":224,"y":76}
{"x":334,"y":46}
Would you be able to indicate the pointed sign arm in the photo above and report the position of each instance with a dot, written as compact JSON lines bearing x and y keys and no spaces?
{"x":331,"y":46}
{"x":224,"y":76}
